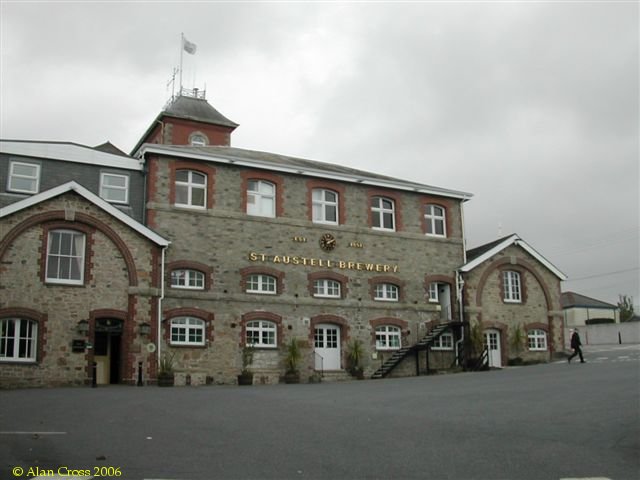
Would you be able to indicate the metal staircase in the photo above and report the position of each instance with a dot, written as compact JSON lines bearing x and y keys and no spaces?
{"x":400,"y":355}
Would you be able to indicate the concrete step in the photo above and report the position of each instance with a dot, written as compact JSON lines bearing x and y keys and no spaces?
{"x":337,"y":376}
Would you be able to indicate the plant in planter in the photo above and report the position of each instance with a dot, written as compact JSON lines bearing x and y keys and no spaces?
{"x":292,"y":360}
{"x":246,"y":377}
{"x":355,"y":355}
{"x":165,"y":371}
{"x":476,"y":344}
{"x":517,"y":343}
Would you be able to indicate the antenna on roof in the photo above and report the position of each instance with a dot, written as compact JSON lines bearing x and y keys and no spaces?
{"x":172,"y":81}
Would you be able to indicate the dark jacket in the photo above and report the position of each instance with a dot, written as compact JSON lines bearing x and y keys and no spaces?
{"x":575,"y":340}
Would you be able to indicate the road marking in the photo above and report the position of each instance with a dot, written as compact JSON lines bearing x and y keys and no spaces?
{"x":33,"y":433}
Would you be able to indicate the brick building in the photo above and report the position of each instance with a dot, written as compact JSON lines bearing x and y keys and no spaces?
{"x":512,"y":302}
{"x":238,"y":247}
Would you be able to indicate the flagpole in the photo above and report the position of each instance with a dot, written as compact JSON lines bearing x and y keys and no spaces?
{"x":181,"y":49}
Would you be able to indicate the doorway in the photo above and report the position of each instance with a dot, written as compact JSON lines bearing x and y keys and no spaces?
{"x":327,"y":346}
{"x":107,"y":350}
{"x":492,"y":343}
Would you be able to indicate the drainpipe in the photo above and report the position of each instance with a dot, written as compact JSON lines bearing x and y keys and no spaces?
{"x":460,"y":280}
{"x":459,"y":289}
{"x":159,"y":339}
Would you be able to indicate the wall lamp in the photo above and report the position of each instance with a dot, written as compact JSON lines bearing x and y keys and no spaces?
{"x":82,"y":327}
{"x":144,"y":329}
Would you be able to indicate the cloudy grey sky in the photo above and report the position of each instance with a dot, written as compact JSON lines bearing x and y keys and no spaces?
{"x":530,"y":106}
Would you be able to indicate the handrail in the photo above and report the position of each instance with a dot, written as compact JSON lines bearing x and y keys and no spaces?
{"x":321,"y":363}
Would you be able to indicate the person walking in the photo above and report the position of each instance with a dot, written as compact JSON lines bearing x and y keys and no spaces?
{"x":575,"y":344}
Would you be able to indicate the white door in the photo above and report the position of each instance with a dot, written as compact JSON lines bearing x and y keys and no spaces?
{"x":327,"y":347}
{"x":492,"y":341}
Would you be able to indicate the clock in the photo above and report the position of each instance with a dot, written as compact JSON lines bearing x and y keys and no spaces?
{"x":327,"y":242}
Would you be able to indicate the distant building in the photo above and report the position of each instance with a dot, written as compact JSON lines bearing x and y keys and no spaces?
{"x":580,"y":310}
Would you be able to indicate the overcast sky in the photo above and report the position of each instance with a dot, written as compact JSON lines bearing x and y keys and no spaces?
{"x":530,"y":106}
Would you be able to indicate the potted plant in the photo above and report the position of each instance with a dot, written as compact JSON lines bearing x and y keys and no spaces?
{"x":246,"y":377}
{"x":292,"y":360}
{"x":165,"y":371}
{"x":517,"y":342}
{"x":355,"y":356}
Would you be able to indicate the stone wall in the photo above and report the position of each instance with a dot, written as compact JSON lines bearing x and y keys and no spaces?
{"x":119,"y":281}
{"x":226,"y":240}
{"x":540,"y":307}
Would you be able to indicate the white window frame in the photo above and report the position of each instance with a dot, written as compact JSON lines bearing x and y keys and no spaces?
{"x":105,"y":189}
{"x":69,"y":256}
{"x":512,"y":282}
{"x":257,"y":196}
{"x":13,"y":175}
{"x":191,"y":186}
{"x":435,"y":216}
{"x":321,"y":206}
{"x":188,"y":279}
{"x":379,"y":211}
{"x":443,"y":342}
{"x":10,"y":344}
{"x":261,"y":283}
{"x":187,"y":327}
{"x":264,"y":331}
{"x":386,"y":292}
{"x":198,"y":140}
{"x":537,"y":340}
{"x":388,"y":337}
{"x":434,"y":295}
{"x":327,"y":288}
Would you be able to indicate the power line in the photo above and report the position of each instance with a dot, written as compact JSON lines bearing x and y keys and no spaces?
{"x":604,"y":274}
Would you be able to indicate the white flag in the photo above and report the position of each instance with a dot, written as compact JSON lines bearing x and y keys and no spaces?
{"x":188,"y":46}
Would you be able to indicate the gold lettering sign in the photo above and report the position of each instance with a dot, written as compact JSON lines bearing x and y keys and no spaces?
{"x":323,"y":263}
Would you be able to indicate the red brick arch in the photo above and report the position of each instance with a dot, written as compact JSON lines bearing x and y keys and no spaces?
{"x":521,"y":264}
{"x":82,"y":218}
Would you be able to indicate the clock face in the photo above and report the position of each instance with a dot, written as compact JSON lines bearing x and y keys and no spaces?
{"x":327,"y":242}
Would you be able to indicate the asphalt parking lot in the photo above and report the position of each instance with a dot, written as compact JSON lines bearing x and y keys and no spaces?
{"x":553,"y":421}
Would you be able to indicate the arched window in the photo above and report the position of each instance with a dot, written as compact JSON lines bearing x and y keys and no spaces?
{"x":187,"y":331}
{"x":261,"y":333}
{"x":325,"y":206}
{"x":187,"y":278}
{"x":260,"y":283}
{"x":387,"y":292}
{"x":383,"y":213}
{"x":435,"y":220}
{"x":537,"y":339}
{"x":512,"y":292}
{"x":261,"y":198}
{"x":65,"y":257}
{"x":18,"y":340}
{"x":198,"y":140}
{"x":326,"y":288}
{"x":191,"y":189}
{"x":388,"y":337}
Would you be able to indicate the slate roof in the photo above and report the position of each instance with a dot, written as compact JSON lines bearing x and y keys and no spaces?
{"x":188,"y":108}
{"x":73,"y":186}
{"x":572,"y":299}
{"x":477,"y":251}
{"x":294,"y":165}
{"x":481,"y":254}
{"x":105,"y":155}
{"x":109,"y":147}
{"x":197,"y":109}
